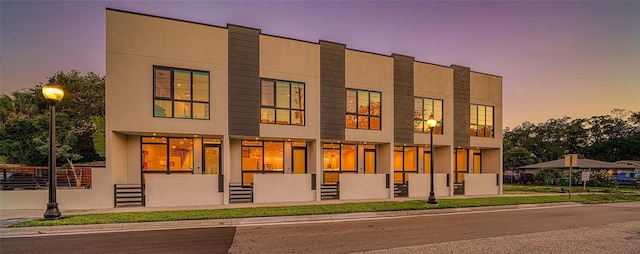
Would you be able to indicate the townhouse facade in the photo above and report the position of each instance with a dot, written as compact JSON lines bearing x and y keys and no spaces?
{"x":198,"y":114}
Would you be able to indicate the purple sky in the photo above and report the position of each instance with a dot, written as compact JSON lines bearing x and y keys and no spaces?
{"x":577,"y":59}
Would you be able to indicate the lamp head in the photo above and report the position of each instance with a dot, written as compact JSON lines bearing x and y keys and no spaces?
{"x":432,"y":122}
{"x":52,"y":92}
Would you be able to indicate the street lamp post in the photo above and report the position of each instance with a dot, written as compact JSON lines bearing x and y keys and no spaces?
{"x":431,"y":123}
{"x":53,"y":93}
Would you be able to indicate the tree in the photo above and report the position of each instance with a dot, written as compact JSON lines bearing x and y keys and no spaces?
{"x":517,"y":157}
{"x":99,"y":142}
{"x":608,"y":138}
{"x":24,"y":121}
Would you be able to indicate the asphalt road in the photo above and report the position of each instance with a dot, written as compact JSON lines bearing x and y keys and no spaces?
{"x":458,"y":233}
{"x":604,"y":228}
{"x":201,"y":240}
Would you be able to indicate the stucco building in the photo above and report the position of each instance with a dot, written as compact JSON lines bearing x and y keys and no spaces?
{"x":199,"y":114}
{"x":202,"y":114}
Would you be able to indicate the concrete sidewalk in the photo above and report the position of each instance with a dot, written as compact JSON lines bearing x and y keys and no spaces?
{"x":124,"y":227}
{"x":24,"y":214}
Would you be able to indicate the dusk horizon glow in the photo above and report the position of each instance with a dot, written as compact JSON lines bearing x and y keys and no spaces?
{"x":576,"y":59}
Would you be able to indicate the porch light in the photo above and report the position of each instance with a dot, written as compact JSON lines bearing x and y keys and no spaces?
{"x":431,"y":123}
{"x":53,"y":93}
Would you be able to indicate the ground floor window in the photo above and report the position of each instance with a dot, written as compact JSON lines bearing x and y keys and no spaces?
{"x":339,"y":159}
{"x":405,"y":161}
{"x":261,"y":157}
{"x":167,"y":155}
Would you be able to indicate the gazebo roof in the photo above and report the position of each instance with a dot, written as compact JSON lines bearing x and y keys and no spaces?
{"x":582,"y":163}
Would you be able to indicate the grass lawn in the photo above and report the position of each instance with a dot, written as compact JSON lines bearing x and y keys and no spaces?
{"x":230,"y":213}
{"x":530,"y":189}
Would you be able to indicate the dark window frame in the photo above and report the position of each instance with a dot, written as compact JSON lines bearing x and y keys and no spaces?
{"x":375,"y":159}
{"x":168,"y":151}
{"x":425,"y":118}
{"x":306,"y":162}
{"x":457,"y":170}
{"x":339,"y":149}
{"x":357,"y":113}
{"x":220,"y":158}
{"x":479,"y":154}
{"x":477,"y":124}
{"x":262,"y":170}
{"x":173,"y":100}
{"x":290,"y":108}
{"x":404,"y":171}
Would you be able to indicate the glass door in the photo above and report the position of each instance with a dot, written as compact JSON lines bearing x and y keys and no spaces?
{"x":211,"y":159}
{"x":370,"y":161}
{"x":462,"y":164}
{"x":427,"y":162}
{"x":299,"y":160}
{"x":477,"y":162}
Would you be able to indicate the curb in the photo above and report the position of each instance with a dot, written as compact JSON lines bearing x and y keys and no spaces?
{"x":322,"y":218}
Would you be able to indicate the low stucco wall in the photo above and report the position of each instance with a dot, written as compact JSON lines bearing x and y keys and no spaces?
{"x":419,"y":185}
{"x":282,"y":188}
{"x":363,"y":186}
{"x":182,"y":190}
{"x":481,"y":184}
{"x":99,"y":196}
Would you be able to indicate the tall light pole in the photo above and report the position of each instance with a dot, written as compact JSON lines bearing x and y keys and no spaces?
{"x":431,"y":123}
{"x":53,"y":93}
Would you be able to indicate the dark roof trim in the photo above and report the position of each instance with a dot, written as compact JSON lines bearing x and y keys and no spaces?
{"x":477,"y":72}
{"x":325,"y":41}
{"x":401,"y":55}
{"x":440,"y":65}
{"x":367,"y":52}
{"x":277,"y":36}
{"x":246,"y":27}
{"x":293,"y":39}
{"x":160,"y":17}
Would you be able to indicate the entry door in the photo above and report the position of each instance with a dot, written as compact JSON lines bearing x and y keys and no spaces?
{"x":370,"y":161}
{"x":477,"y":162}
{"x":462,"y":164}
{"x":427,"y":162}
{"x":211,"y":159}
{"x":299,"y":160}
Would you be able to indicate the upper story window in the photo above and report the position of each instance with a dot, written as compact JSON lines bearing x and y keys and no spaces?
{"x":364,"y":109}
{"x":481,"y":121}
{"x":282,"y":102}
{"x":423,"y":108}
{"x":180,"y":93}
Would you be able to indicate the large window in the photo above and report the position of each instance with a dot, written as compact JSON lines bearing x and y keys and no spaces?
{"x":167,"y":155}
{"x":481,"y":121}
{"x":282,"y":102}
{"x":339,"y":159}
{"x":261,"y":157}
{"x":180,"y":93}
{"x":364,"y":109}
{"x":423,"y":108}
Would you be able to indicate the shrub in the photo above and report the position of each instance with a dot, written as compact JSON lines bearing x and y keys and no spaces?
{"x":547,"y":175}
{"x":601,"y":178}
